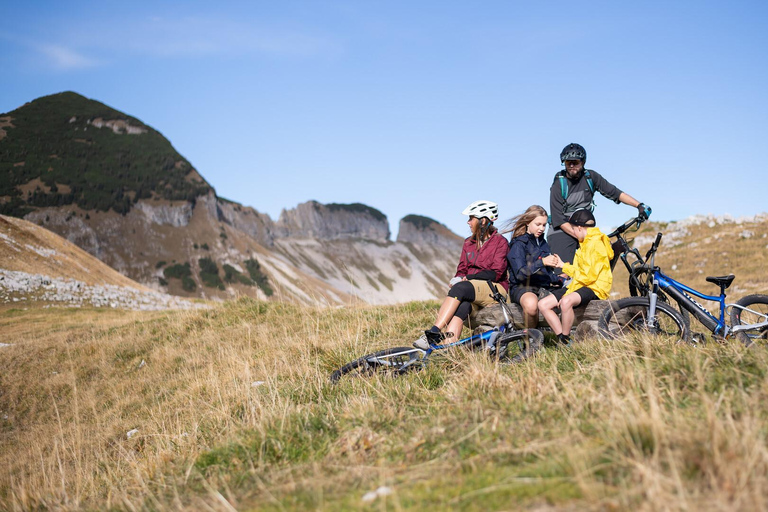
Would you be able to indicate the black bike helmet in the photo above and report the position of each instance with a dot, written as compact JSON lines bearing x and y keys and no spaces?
{"x":573,"y":151}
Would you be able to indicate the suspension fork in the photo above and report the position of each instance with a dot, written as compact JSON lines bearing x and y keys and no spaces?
{"x":653,"y":295}
{"x":653,"y":298}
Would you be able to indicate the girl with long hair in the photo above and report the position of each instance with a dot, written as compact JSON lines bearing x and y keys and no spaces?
{"x":531,"y":262}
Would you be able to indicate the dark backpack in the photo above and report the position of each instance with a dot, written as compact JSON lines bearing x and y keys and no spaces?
{"x":564,"y":183}
{"x":564,"y":190}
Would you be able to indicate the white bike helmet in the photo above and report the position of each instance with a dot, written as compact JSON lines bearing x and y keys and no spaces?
{"x":480,"y":209}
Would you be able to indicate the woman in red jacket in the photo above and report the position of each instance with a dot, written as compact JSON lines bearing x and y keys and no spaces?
{"x":483,"y":258}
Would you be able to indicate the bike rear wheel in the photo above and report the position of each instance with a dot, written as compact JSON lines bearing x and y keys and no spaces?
{"x":625,"y":316}
{"x":394,"y":361}
{"x":751,"y":309}
{"x":517,"y":346}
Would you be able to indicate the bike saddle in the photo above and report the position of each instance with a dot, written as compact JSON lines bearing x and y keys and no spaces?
{"x":722,"y":281}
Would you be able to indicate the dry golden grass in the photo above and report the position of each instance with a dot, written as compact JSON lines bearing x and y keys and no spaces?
{"x":234,"y":410}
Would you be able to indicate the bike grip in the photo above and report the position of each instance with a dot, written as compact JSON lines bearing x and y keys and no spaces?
{"x":654,"y":246}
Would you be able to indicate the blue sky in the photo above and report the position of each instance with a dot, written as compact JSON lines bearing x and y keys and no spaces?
{"x":423,"y":106}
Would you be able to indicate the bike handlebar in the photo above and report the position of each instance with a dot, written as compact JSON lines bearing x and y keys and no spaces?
{"x":636,"y":221}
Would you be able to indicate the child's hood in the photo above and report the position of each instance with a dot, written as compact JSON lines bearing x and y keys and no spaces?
{"x":596,"y":236}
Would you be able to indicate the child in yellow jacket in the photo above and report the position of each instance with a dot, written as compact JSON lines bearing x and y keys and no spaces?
{"x":590,"y":274}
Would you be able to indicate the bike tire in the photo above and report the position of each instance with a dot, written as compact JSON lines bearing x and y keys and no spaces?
{"x":532,"y":341}
{"x":739,"y":316}
{"x":638,"y":287}
{"x":629,"y":315}
{"x":394,"y":361}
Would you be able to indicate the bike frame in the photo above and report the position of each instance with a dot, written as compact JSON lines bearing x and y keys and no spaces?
{"x":485,"y":336}
{"x":682,"y":294}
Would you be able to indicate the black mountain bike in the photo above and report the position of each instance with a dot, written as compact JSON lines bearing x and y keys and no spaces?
{"x":504,"y":343}
{"x":652,"y":309}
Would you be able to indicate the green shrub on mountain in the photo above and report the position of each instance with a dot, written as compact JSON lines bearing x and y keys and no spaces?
{"x":258,"y":277}
{"x":53,"y":139}
{"x":177,"y":270}
{"x":358,"y":208}
{"x":419,"y":221}
{"x":209,"y":273}
{"x":183,"y":272}
{"x":232,"y":275}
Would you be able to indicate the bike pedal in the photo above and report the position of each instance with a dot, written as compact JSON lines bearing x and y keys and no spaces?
{"x":698,"y":338}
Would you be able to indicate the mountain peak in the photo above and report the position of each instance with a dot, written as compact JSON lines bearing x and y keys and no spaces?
{"x":66,"y":149}
{"x":333,"y":221}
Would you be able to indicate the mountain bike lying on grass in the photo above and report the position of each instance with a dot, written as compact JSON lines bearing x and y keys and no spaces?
{"x":503,"y":343}
{"x":651,"y":310}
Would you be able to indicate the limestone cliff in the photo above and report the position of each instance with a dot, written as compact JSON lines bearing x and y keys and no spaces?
{"x":335,"y":221}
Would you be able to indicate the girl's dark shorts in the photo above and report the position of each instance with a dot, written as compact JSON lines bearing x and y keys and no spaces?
{"x":518,"y":292}
{"x":585,"y":293}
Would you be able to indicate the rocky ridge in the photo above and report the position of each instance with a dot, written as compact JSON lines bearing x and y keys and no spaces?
{"x":315,"y":252}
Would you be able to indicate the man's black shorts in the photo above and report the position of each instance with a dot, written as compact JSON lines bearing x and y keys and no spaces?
{"x":585,"y":293}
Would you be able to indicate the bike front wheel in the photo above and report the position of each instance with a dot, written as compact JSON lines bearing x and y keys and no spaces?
{"x":752,"y":309}
{"x":517,"y":346}
{"x":393,"y":361}
{"x":625,"y":316}
{"x":640,"y":286}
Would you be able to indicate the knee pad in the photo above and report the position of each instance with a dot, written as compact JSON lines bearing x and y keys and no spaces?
{"x":463,"y":311}
{"x":463,"y":291}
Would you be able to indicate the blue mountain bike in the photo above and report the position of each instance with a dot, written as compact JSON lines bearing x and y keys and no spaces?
{"x":652,"y":310}
{"x":504,"y":343}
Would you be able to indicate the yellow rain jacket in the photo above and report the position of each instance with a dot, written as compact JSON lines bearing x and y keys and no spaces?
{"x":591,"y":265}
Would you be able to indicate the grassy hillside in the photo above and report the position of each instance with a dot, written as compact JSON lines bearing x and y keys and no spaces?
{"x":231,"y":408}
{"x":66,"y":149}
{"x":32,"y":249}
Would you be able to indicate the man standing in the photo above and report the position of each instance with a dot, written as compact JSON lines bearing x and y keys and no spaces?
{"x":574,"y":189}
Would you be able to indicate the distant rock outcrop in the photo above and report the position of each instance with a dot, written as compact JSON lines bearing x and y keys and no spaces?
{"x":334,"y":221}
{"x":419,"y":230}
